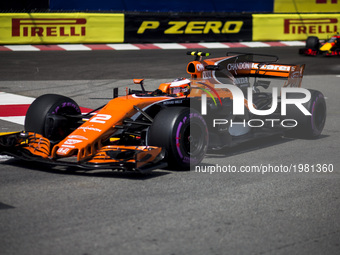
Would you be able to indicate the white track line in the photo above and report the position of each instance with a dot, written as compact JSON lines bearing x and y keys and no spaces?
{"x":16,"y":119}
{"x":255,"y":44}
{"x":21,"y":47}
{"x":74,"y":47}
{"x":123,"y":46}
{"x":12,"y":99}
{"x":169,"y":46}
{"x":213,"y":45}
{"x":294,"y":43}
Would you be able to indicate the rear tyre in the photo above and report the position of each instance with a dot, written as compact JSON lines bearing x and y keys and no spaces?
{"x":312,"y":42}
{"x":308,"y":126}
{"x":183,"y":133}
{"x":45,"y":116}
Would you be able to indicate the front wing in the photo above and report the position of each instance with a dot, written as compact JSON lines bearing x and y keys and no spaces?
{"x":34,"y":147}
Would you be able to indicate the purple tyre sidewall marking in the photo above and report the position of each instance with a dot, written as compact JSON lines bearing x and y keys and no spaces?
{"x":177,"y":139}
{"x":65,"y":105}
{"x":185,"y":159}
{"x":315,"y":129}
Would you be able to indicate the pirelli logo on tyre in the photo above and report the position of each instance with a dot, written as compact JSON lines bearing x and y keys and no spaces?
{"x":185,"y":28}
{"x":294,"y":26}
{"x":22,"y":28}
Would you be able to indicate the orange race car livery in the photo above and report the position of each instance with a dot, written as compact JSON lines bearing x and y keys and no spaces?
{"x":173,"y":125}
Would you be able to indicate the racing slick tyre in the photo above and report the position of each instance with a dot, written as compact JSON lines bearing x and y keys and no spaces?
{"x":308,"y":126}
{"x":183,"y":133}
{"x":45,"y":116}
{"x":312,"y":42}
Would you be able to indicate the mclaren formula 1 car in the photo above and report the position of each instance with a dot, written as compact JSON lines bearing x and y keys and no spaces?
{"x":226,"y":101}
{"x":314,"y":46}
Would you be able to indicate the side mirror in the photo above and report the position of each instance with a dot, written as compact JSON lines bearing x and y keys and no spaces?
{"x":139,"y":81}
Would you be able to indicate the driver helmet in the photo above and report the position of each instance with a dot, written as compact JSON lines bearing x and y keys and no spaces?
{"x":180,"y":86}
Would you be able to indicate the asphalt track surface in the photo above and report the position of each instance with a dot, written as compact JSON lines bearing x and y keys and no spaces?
{"x":54,"y":211}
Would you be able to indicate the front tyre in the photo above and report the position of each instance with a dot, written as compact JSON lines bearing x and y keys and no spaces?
{"x":46,"y":116}
{"x":312,"y":42}
{"x":183,"y":133}
{"x":308,"y":126}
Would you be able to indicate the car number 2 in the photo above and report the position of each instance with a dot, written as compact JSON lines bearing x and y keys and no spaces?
{"x":101,"y":118}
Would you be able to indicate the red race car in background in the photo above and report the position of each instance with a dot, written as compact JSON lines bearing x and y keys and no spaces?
{"x":314,"y":46}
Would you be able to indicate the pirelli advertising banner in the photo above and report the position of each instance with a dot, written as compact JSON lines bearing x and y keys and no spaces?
{"x":285,"y":27}
{"x":44,"y":28}
{"x":166,"y":28}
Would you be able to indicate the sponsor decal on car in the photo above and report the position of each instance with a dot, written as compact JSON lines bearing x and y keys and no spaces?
{"x":271,"y":67}
{"x":85,"y":129}
{"x":78,"y":137}
{"x":72,"y":141}
{"x":238,"y":66}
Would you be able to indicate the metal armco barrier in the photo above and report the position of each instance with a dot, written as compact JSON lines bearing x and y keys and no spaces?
{"x":73,"y":28}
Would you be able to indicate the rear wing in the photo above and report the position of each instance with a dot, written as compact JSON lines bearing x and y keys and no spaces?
{"x":236,"y":65}
{"x":293,"y":73}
